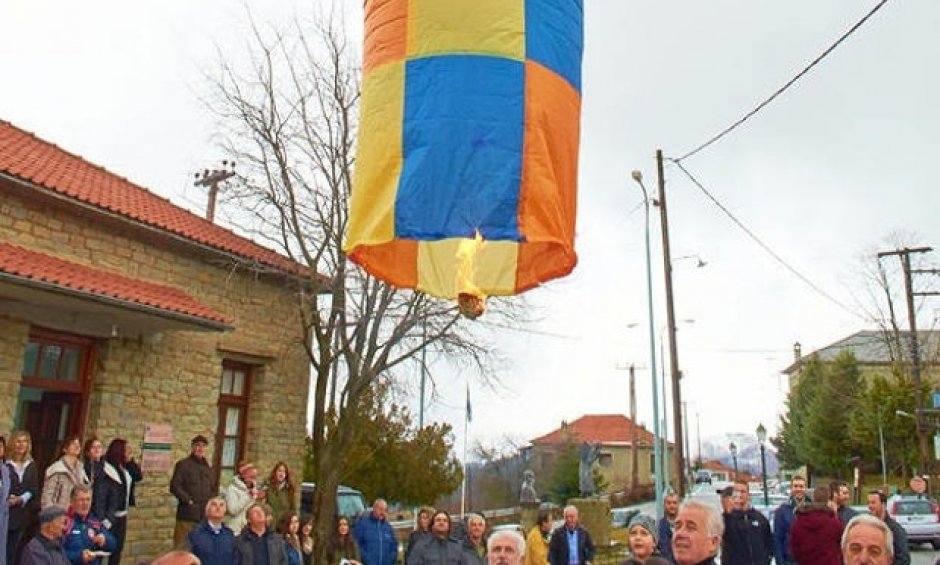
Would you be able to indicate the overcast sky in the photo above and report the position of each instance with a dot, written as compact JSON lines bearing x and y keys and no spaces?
{"x":822,"y":176}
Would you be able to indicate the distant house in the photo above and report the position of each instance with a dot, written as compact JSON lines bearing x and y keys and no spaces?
{"x":617,"y":436}
{"x":876,"y":352}
{"x":123,"y":315}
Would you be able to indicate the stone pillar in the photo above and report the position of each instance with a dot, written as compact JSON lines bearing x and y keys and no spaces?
{"x":528,"y":515}
{"x":594,"y":514}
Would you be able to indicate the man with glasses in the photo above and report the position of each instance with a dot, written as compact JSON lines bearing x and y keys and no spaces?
{"x":747,"y":539}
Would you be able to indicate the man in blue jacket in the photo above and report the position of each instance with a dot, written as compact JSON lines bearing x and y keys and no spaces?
{"x":571,"y":544}
{"x":212,"y":541}
{"x":783,"y":521}
{"x":376,"y":537}
{"x":85,"y":537}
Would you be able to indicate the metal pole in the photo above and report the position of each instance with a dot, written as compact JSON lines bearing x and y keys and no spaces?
{"x":763,"y":467}
{"x":658,"y":471}
{"x":665,"y":427}
{"x":881,"y":441}
{"x":671,"y":323}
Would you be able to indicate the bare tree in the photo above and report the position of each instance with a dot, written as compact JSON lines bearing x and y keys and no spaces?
{"x":289,"y":118}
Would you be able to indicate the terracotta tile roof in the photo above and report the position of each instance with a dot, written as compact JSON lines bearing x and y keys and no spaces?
{"x":31,"y":159}
{"x":598,"y":428}
{"x":81,"y":279}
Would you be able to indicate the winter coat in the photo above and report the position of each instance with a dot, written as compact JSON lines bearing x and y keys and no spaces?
{"x":902,"y":554}
{"x":43,"y":551}
{"x":280,"y":500}
{"x":112,"y":494}
{"x":238,"y":497}
{"x":78,"y":536}
{"x":4,"y":510}
{"x":436,"y":551}
{"x":24,"y":515}
{"x":471,"y":553}
{"x":60,"y":480}
{"x":558,"y":546}
{"x":536,"y":548}
{"x":211,"y":547}
{"x":747,"y":539}
{"x":273,"y":543}
{"x":815,"y":536}
{"x":193,"y":484}
{"x":376,"y":539}
{"x":783,"y":522}
{"x":664,"y":543}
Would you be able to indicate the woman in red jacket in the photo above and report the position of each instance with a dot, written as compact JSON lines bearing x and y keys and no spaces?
{"x":816,"y":532}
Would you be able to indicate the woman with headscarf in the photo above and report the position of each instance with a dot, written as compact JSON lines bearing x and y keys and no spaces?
{"x":642,"y":539}
{"x":112,"y":493}
{"x":64,"y":474}
{"x":24,"y":491}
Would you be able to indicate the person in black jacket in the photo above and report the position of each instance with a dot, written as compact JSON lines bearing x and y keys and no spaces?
{"x":438,"y":548}
{"x":24,"y":493}
{"x":747,"y":539}
{"x":111,"y":497}
{"x":571,"y":531}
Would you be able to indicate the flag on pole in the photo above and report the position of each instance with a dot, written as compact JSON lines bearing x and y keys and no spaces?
{"x":469,"y":408}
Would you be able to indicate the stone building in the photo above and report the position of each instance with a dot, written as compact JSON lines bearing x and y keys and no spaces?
{"x":123,"y":315}
{"x":617,"y":435}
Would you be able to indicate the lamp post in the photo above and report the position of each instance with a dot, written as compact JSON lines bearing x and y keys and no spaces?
{"x":734,"y":457}
{"x":658,"y":471}
{"x":761,"y":438}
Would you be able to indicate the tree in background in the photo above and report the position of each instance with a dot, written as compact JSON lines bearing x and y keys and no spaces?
{"x":563,"y":481}
{"x":792,"y":441}
{"x":499,"y":480}
{"x":827,"y":441}
{"x":287,"y":113}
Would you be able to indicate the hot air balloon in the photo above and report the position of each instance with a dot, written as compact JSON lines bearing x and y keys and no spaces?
{"x":466,"y":167}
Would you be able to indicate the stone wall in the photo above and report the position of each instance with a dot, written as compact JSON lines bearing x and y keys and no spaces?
{"x":172,"y":377}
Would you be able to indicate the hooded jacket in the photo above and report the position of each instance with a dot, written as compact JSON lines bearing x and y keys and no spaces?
{"x":815,"y":536}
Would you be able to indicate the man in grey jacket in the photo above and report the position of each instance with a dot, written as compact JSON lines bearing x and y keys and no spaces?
{"x":46,"y":547}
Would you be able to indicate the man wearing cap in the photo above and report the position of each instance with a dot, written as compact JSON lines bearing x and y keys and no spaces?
{"x":193,"y":484}
{"x":725,"y":498}
{"x":46,"y":547}
{"x":241,"y":493}
{"x":85,"y":536}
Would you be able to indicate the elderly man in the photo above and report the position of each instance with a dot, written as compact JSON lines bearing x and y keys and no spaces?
{"x":876,"y":507}
{"x":474,"y":546}
{"x":571,"y":544}
{"x":212,"y":541}
{"x":376,"y":537}
{"x":698,"y":532}
{"x":46,"y":547}
{"x":258,"y":544}
{"x":178,"y":557}
{"x":867,"y":541}
{"x":85,"y":537}
{"x":505,"y":547}
{"x":193,"y":484}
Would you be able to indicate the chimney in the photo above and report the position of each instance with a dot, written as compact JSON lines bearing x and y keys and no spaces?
{"x":798,"y":355}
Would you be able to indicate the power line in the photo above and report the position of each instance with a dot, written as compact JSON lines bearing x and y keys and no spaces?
{"x":783,"y":88}
{"x":766,"y":247}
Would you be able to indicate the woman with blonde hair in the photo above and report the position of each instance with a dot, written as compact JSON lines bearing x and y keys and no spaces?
{"x":24,"y":490}
{"x":64,"y":474}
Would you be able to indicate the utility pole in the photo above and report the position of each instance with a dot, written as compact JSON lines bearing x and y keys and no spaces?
{"x":674,"y":372}
{"x":905,"y":256}
{"x":634,"y":452}
{"x":212,"y":178}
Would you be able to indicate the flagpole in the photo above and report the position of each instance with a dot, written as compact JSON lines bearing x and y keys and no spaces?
{"x":466,"y":425}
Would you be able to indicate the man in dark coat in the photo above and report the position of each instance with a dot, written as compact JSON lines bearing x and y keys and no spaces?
{"x":783,"y":520}
{"x":46,"y":547}
{"x":258,"y":544}
{"x":474,"y":546}
{"x":747,"y":539}
{"x":571,"y":544}
{"x":438,"y":548}
{"x":666,"y":525}
{"x":877,"y":508}
{"x":193,"y":484}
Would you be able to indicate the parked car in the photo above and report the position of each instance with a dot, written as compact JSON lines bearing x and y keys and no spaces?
{"x":620,"y":517}
{"x":349,"y":501}
{"x":703,"y":476}
{"x":511,"y":527}
{"x":918,"y":516}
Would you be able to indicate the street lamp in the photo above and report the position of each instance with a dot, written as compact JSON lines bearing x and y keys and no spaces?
{"x":761,"y":438}
{"x":638,"y":178}
{"x":734,"y":457}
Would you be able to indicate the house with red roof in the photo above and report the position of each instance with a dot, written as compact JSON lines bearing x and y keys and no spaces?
{"x":124,"y":315}
{"x":624,"y":446}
